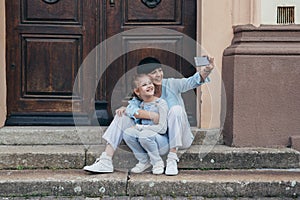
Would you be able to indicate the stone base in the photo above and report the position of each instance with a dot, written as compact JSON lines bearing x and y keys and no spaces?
{"x":295,"y":142}
{"x":261,"y":77}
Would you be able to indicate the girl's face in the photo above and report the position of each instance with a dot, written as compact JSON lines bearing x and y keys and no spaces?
{"x":157,"y":76}
{"x":144,"y":87}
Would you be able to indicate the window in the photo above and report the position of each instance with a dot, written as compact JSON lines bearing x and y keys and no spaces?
{"x":285,"y":15}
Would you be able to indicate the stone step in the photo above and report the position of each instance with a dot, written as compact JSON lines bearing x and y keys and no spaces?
{"x":144,"y":198}
{"x":86,"y":135}
{"x":255,"y":184}
{"x":196,"y":157}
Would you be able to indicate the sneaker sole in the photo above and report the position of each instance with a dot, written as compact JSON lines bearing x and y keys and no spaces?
{"x":96,"y":171}
{"x":171,"y":174}
{"x":158,"y":173}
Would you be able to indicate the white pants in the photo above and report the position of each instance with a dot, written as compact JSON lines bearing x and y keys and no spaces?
{"x":114,"y":133}
{"x":179,"y":131}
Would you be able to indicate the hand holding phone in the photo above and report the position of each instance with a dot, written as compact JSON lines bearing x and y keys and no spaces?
{"x":201,"y":61}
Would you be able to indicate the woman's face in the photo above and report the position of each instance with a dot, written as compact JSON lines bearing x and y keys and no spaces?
{"x":157,"y":76}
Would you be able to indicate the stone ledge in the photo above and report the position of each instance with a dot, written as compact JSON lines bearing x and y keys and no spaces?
{"x":196,"y":157}
{"x":222,"y":183}
{"x":83,"y":135}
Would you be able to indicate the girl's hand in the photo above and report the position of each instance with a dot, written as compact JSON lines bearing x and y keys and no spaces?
{"x":154,"y":117}
{"x":120,"y":111}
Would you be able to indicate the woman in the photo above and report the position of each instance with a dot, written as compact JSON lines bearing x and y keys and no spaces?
{"x":180,"y":135}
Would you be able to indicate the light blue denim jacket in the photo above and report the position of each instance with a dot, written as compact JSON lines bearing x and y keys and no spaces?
{"x":171,"y":92}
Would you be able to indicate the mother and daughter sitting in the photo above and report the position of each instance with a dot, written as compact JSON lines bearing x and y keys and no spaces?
{"x":154,"y":122}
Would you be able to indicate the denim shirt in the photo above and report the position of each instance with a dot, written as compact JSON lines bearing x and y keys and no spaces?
{"x":171,"y":92}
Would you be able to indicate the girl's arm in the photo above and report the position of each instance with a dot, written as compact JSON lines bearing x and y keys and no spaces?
{"x":133,"y":110}
{"x":162,"y":125}
{"x":143,"y":114}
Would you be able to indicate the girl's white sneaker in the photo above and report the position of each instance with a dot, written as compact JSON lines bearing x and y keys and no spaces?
{"x":158,"y":168}
{"x":140,"y":167}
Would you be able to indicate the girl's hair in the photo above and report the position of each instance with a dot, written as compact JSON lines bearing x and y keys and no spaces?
{"x":135,"y":79}
{"x":134,"y":84}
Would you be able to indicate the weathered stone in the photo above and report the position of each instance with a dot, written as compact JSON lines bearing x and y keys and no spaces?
{"x":196,"y":157}
{"x":224,"y":183}
{"x":33,"y":183}
{"x":214,"y":184}
{"x":37,"y":156}
{"x":224,"y":157}
{"x":83,"y":135}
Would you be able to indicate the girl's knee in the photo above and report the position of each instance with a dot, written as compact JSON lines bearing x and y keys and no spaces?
{"x":145,"y":140}
{"x":126,"y":137}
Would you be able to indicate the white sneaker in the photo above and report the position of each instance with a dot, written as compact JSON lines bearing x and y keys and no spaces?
{"x":158,"y":167}
{"x":140,"y":167}
{"x":101,"y":165}
{"x":171,"y":168}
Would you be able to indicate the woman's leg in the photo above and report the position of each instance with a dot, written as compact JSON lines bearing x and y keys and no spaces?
{"x":180,"y":136}
{"x":179,"y":131}
{"x":113,"y":135}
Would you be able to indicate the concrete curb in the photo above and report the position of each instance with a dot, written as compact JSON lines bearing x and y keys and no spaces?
{"x":213,"y":184}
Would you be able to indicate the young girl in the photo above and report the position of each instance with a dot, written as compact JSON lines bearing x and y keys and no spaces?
{"x":147,"y":140}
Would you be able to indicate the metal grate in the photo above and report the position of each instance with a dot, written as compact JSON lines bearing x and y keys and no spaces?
{"x":285,"y":15}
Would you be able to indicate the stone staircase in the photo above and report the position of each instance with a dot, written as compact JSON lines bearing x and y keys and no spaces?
{"x":48,"y":161}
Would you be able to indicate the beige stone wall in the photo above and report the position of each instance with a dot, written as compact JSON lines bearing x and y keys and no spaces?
{"x":2,"y":65}
{"x":215,"y":34}
{"x":216,"y":19}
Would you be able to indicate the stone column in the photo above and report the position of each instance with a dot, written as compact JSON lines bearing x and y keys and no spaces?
{"x":261,"y":73}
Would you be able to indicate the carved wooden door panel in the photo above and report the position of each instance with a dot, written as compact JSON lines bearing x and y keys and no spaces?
{"x":47,"y":41}
{"x":123,"y":15}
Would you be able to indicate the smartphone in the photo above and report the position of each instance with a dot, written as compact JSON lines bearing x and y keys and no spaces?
{"x":201,"y":61}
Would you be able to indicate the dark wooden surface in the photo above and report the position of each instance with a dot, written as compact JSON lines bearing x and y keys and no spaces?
{"x":47,"y":43}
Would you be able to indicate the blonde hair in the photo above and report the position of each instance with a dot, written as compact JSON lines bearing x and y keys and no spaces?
{"x":136,"y":78}
{"x":134,"y":83}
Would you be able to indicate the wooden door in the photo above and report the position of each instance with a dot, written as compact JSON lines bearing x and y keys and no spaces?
{"x":47,"y":41}
{"x":124,"y":15}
